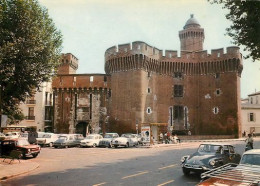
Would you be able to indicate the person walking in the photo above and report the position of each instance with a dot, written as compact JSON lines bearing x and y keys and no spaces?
{"x":250,"y":142}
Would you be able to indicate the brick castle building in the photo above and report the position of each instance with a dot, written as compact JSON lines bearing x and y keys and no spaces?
{"x":195,"y":91}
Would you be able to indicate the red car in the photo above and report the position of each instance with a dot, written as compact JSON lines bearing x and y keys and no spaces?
{"x":20,"y":144}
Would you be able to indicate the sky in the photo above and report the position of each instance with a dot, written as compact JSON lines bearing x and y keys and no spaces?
{"x":89,"y":27}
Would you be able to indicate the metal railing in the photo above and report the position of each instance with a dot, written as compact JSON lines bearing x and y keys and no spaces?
{"x":30,"y":117}
{"x":244,"y":174}
{"x":30,"y":101}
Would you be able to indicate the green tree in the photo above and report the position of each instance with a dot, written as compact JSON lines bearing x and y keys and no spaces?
{"x":245,"y":28}
{"x":30,"y":47}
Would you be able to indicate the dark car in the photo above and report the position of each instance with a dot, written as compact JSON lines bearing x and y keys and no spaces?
{"x":68,"y":140}
{"x":209,"y":156}
{"x":20,"y":144}
{"x":247,"y":172}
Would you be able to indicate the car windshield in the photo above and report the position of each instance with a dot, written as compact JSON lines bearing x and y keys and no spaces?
{"x":126,"y":135}
{"x":252,"y":159}
{"x":23,"y":142}
{"x":46,"y":136}
{"x":211,"y":149}
{"x":63,"y":137}
{"x":90,"y":137}
{"x":108,"y":136}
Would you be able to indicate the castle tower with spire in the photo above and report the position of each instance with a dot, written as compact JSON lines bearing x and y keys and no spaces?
{"x":192,"y":36}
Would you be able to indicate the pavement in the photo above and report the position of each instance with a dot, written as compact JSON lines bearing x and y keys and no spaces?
{"x":15,"y":168}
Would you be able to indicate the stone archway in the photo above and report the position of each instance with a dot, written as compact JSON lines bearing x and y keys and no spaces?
{"x":81,"y":128}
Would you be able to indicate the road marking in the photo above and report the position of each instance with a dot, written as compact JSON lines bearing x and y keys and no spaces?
{"x":100,"y":184}
{"x":166,"y":183}
{"x":167,"y":166}
{"x":145,"y":172}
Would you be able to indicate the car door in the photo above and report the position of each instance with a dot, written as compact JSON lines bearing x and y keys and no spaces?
{"x":233,"y":156}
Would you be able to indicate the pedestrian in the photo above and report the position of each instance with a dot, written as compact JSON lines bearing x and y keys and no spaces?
{"x":161,"y":137}
{"x":189,"y":133}
{"x":176,"y":139}
{"x":244,"y":133}
{"x":250,"y":142}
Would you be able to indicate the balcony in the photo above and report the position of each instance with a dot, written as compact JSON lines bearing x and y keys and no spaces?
{"x":30,"y":118}
{"x":31,"y":102}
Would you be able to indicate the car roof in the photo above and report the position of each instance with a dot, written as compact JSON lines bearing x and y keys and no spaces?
{"x":253,"y":151}
{"x":215,"y":143}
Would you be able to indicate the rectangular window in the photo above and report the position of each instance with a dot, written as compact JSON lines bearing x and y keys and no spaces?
{"x":31,"y":111}
{"x":178,"y":112}
{"x":171,"y":116}
{"x":251,"y":117}
{"x":105,"y":78}
{"x":91,"y":78}
{"x":178,"y":91}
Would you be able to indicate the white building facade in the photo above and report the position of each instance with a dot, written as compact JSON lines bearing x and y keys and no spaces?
{"x":38,"y":109}
{"x":250,"y":114}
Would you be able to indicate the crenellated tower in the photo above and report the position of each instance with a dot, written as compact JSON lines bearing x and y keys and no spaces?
{"x":192,"y":36}
{"x":68,"y":64}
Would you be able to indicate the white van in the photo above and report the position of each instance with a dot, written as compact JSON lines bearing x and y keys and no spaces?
{"x":47,"y":139}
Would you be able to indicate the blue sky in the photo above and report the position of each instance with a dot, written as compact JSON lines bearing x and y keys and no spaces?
{"x":89,"y":27}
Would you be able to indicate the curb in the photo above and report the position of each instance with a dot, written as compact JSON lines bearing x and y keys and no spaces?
{"x":32,"y":167}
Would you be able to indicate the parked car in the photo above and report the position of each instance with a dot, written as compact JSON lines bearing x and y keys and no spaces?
{"x":107,"y":140}
{"x":12,"y":135}
{"x":2,"y":136}
{"x":19,"y":144}
{"x":47,"y":139}
{"x":247,"y":172}
{"x":91,"y":140}
{"x":125,"y":140}
{"x":68,"y":140}
{"x":209,"y":156}
{"x":139,"y":138}
{"x":30,"y":136}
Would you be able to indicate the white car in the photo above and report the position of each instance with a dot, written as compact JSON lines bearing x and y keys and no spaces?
{"x":251,"y":157}
{"x":47,"y":139}
{"x":92,"y":140}
{"x":126,"y":140}
{"x":12,"y":135}
{"x":107,"y":140}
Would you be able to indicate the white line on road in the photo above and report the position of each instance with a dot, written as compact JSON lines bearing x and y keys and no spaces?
{"x":100,"y":184}
{"x":145,"y":172}
{"x":165,"y":183}
{"x":167,"y":167}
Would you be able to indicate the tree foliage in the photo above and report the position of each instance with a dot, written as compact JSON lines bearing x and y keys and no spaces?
{"x":245,"y":28}
{"x":30,"y":47}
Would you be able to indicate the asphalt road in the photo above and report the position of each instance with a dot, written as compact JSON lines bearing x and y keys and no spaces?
{"x":112,"y":167}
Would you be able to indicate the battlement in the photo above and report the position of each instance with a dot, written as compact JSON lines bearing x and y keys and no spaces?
{"x":140,"y":47}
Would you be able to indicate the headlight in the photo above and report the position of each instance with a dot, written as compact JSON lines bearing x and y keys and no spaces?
{"x":29,"y":150}
{"x":212,"y":162}
{"x":183,"y":159}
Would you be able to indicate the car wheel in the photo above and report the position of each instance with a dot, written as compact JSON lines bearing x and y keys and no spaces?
{"x":115,"y":146}
{"x":127,"y":145}
{"x":185,"y":171}
{"x":35,"y":155}
{"x":94,"y":145}
{"x":51,"y":144}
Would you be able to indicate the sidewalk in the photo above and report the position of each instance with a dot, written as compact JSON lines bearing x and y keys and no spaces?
{"x":15,"y":168}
